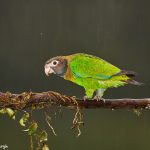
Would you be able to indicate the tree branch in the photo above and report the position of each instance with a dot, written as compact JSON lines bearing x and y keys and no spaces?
{"x":29,"y":99}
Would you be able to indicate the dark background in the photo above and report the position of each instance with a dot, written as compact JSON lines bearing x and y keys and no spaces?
{"x":32,"y":31}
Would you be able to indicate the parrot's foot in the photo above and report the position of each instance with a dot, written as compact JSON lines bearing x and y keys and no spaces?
{"x":99,"y":98}
{"x":85,"y":98}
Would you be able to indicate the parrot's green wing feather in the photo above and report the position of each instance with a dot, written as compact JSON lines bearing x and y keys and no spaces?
{"x":88,"y":66}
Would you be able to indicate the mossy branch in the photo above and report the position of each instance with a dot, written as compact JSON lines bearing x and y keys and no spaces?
{"x":29,"y":99}
{"x":12,"y":103}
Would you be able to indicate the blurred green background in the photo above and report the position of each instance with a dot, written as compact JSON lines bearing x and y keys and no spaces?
{"x":32,"y":31}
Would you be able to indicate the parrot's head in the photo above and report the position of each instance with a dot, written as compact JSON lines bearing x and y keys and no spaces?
{"x":56,"y":65}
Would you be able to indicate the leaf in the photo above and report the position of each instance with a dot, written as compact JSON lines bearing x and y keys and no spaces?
{"x":24,"y":119}
{"x":3,"y":111}
{"x":45,"y":147}
{"x":32,"y":128}
{"x":43,"y":136}
{"x":11,"y":113}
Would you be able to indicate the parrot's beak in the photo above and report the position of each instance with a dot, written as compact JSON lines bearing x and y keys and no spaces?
{"x":48,"y":70}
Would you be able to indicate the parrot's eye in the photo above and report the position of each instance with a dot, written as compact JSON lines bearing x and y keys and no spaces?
{"x":54,"y":62}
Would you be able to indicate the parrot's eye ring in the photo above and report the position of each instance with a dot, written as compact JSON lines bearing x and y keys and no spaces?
{"x":54,"y":62}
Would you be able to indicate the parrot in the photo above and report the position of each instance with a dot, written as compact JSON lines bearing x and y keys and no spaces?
{"x":94,"y":74}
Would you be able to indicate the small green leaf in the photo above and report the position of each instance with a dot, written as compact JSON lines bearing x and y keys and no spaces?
{"x":45,"y":147}
{"x":11,"y":113}
{"x":43,"y":136}
{"x":24,"y":119}
{"x":3,"y":111}
{"x":32,"y":128}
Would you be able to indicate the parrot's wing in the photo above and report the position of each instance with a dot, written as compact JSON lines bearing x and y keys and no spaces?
{"x":88,"y":66}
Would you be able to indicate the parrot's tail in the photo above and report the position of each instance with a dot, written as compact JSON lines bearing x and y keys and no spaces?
{"x":131,"y":81}
{"x":131,"y":75}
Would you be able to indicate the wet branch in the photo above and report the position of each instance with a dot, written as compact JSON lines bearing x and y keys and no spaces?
{"x":29,"y":99}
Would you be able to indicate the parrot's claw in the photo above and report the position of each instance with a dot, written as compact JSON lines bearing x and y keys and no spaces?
{"x":85,"y":98}
{"x":98,"y":98}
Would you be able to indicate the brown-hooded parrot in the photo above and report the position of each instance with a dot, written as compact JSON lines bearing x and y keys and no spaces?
{"x":90,"y":72}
